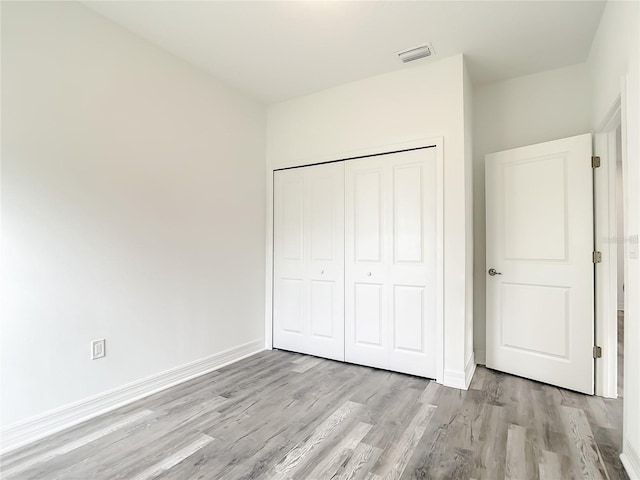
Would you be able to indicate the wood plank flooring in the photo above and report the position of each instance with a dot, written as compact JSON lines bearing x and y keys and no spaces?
{"x":620,"y":352}
{"x":281,"y":415}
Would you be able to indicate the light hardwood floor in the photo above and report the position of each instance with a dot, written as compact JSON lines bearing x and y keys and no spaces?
{"x":280,"y":415}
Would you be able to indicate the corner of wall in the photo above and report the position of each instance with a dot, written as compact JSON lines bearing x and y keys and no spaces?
{"x":481,"y":356}
{"x":467,"y":92}
{"x":460,"y":378}
{"x":631,"y":461}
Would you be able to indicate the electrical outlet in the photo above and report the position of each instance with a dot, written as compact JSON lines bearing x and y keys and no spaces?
{"x":98,"y":349}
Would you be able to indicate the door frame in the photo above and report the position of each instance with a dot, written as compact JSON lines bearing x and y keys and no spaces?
{"x":432,"y":142}
{"x":606,"y":241}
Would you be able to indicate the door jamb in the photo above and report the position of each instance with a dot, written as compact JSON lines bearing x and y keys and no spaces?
{"x":605,"y":225}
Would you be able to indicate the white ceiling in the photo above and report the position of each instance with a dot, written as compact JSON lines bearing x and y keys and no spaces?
{"x":276,"y":50}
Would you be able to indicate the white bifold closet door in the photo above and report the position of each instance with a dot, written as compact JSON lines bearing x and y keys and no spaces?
{"x":390,"y":261}
{"x":308,"y":303}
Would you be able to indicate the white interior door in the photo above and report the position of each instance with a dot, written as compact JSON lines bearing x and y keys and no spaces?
{"x":539,"y":219}
{"x":390,"y":261}
{"x":308,"y":304}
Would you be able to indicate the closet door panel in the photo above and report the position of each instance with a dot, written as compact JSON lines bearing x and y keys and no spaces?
{"x":412,"y":271}
{"x":366,"y":302}
{"x":390,"y":228}
{"x":309,"y":248}
{"x":290,"y":301}
{"x":325,"y":247}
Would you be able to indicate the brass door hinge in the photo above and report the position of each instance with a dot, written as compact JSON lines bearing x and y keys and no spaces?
{"x":597,"y":352}
{"x":596,"y":257}
{"x":595,"y":162}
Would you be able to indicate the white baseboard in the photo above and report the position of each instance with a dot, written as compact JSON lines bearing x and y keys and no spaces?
{"x":631,"y":461}
{"x":454,"y":378}
{"x":458,"y":378}
{"x":28,"y":431}
{"x":469,"y":370}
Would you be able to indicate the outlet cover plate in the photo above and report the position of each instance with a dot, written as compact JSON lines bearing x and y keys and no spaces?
{"x":98,"y":349}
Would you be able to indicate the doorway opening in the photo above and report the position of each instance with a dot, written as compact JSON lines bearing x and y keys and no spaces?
{"x":609,"y":210}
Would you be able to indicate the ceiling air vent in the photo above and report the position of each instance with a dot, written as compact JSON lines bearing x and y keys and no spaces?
{"x":415,"y":53}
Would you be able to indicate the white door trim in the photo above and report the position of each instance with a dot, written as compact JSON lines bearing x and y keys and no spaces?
{"x":436,"y":143}
{"x":606,"y":368}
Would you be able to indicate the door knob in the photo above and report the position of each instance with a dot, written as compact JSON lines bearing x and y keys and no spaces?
{"x":321,"y":272}
{"x":493,"y":272}
{"x":368,"y":274}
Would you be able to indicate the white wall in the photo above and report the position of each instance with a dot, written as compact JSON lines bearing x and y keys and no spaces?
{"x":615,"y":53}
{"x":514,"y":113}
{"x":133,"y":209}
{"x":419,"y":102}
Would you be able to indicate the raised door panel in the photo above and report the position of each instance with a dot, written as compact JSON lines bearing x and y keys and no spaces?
{"x":322,"y":309}
{"x":322,"y":217}
{"x":408,"y":231}
{"x":368,"y":307}
{"x":408,"y":318}
{"x":528,"y":313}
{"x":291,"y":305}
{"x":292,"y":218}
{"x":529,"y":211}
{"x":367,"y":214}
